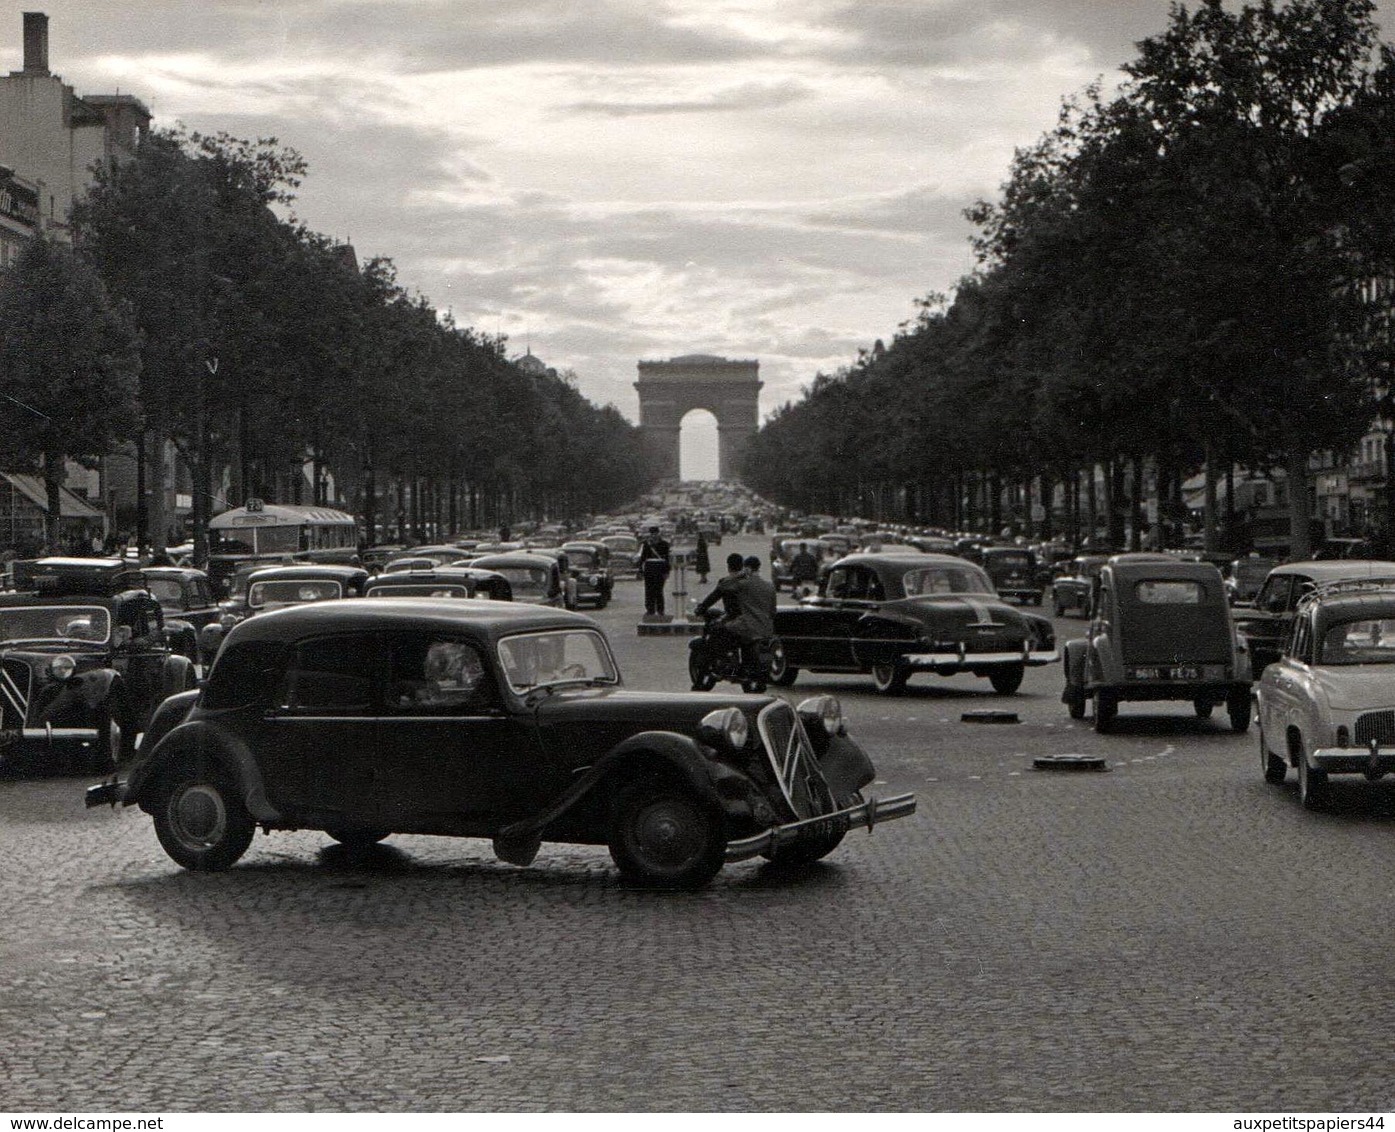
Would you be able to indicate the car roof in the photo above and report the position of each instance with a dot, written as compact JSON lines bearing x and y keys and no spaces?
{"x":1161,"y":568}
{"x":908,"y":558}
{"x":1333,"y":569}
{"x":489,"y":620}
{"x":513,"y":558}
{"x":308,"y":571}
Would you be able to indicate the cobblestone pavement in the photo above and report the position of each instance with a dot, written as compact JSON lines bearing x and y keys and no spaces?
{"x":1170,"y":935}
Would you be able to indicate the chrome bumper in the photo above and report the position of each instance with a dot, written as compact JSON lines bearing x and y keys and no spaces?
{"x":30,"y":739}
{"x":867,"y":813}
{"x":1372,"y":761}
{"x":964,"y":659}
{"x":107,"y":793}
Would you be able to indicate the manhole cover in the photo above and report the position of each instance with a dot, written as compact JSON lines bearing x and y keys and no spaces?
{"x":989,"y":716}
{"x":1069,"y":762}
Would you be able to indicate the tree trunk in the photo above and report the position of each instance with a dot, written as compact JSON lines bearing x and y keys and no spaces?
{"x":1136,"y":503}
{"x":53,"y":491}
{"x":1300,"y":506}
{"x":158,"y":515}
{"x":1092,"y":501}
{"x":1114,"y":490}
{"x":1208,"y":509}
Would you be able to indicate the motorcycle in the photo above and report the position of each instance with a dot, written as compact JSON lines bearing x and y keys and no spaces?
{"x":711,"y":658}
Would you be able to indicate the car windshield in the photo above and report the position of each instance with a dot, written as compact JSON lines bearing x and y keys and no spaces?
{"x":1168,"y":592}
{"x":1359,"y":642}
{"x":944,"y":580}
{"x":561,"y":656}
{"x":525,"y":579}
{"x":423,"y":589}
{"x":56,"y":623}
{"x":168,"y":592}
{"x":1008,"y":561}
{"x":581,"y":559}
{"x":626,"y":543}
{"x":292,"y":592}
{"x":1252,"y":572}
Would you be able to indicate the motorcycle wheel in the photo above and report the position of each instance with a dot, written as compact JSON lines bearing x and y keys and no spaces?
{"x":703,"y":678}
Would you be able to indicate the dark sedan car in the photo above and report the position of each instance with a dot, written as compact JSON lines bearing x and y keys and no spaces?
{"x":274,"y":587}
{"x":444,"y":581}
{"x":85,"y":657}
{"x":897,"y":614}
{"x":481,"y":719}
{"x":1072,"y":591}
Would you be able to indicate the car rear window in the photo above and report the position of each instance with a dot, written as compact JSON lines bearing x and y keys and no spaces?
{"x":1169,"y":592}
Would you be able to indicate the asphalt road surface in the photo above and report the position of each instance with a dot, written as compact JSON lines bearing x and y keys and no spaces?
{"x":1171,"y":934}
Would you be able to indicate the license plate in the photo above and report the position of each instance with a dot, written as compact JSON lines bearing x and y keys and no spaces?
{"x":1162,"y":672}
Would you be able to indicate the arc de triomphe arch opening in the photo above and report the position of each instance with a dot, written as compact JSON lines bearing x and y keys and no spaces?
{"x":729,"y":390}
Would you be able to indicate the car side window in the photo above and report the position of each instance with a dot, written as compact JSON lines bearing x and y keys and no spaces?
{"x":839,"y":584}
{"x":331,"y":674}
{"x":435,"y":675}
{"x":1299,"y":640}
{"x":875,"y":592}
{"x":1273,"y":597}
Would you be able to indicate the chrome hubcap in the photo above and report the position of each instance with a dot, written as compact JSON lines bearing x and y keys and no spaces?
{"x":666,"y":834}
{"x":198,"y":817}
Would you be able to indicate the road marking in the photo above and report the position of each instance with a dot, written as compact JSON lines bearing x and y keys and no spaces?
{"x":975,"y":778}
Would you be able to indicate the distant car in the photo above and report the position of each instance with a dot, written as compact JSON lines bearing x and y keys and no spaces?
{"x":1266,"y":626}
{"x":185,"y":595}
{"x":443,"y":581}
{"x":487,"y":719}
{"x":1245,"y":576}
{"x":534,"y":578}
{"x":893,"y":615}
{"x":1160,"y":629}
{"x":85,"y":658}
{"x":1327,"y":705}
{"x":589,"y":562}
{"x":1070,"y":593}
{"x":624,"y":555}
{"x":1015,"y":573}
{"x":275,"y":587}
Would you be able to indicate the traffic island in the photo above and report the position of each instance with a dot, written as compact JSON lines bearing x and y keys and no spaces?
{"x":989,"y":715}
{"x":1069,"y":762}
{"x":664,"y":625}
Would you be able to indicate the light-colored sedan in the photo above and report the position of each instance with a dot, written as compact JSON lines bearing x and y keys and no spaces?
{"x":1327,"y":705}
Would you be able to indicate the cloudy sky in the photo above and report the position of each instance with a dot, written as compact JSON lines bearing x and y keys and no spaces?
{"x":611,"y":180}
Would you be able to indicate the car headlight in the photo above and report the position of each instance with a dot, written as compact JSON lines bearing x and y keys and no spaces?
{"x":228,"y":620}
{"x":826,"y":711}
{"x":594,"y":580}
{"x":725,"y":725}
{"x":61,"y":667}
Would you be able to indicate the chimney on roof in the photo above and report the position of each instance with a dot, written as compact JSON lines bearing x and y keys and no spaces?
{"x":35,"y":43}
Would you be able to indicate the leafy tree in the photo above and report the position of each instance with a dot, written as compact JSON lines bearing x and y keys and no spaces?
{"x":68,"y":365}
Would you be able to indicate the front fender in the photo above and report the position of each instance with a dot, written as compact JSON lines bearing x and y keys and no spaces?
{"x":846,"y":767}
{"x":79,"y":698}
{"x":202,"y":739}
{"x":518,"y":843}
{"x":1074,"y":660}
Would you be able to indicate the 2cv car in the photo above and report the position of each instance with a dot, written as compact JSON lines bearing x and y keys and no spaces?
{"x":487,"y":719}
{"x":1160,"y":629}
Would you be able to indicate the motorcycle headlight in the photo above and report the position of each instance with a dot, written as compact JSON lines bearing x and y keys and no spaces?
{"x":725,"y":725}
{"x":826,"y":711}
{"x":61,"y":667}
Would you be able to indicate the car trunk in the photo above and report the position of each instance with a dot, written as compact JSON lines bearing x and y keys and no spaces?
{"x":1175,"y":634}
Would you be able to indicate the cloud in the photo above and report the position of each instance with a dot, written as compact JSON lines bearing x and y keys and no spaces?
{"x":750,"y":96}
{"x":624,"y":179}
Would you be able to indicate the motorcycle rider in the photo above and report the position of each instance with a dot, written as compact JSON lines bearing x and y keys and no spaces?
{"x":763,"y":600}
{"x":748,"y":611}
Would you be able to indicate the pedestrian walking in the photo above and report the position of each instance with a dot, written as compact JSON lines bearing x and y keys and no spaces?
{"x":804,"y":567}
{"x":654,"y":566}
{"x":701,"y":562}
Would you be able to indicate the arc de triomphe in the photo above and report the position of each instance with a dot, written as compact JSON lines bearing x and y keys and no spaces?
{"x":729,"y":390}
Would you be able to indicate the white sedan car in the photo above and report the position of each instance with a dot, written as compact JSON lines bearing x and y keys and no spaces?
{"x":1327,"y":705}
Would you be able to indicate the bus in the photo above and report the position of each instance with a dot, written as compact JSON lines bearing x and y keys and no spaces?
{"x":278,"y":532}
